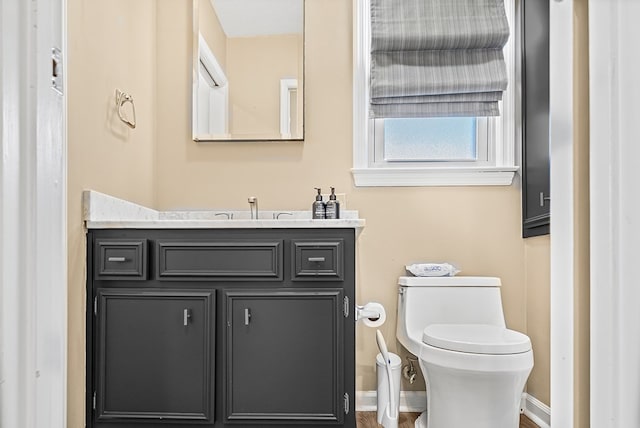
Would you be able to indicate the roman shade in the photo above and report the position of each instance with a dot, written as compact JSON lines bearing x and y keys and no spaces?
{"x":437,"y":58}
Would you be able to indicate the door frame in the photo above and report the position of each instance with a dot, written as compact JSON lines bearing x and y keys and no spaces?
{"x":33,"y":250}
{"x":561,"y":151}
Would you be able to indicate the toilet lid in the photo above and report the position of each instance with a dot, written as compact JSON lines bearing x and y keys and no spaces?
{"x":476,"y":339}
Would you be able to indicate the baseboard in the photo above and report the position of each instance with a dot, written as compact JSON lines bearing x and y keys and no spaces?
{"x":415,"y":401}
{"x":410,"y":401}
{"x":536,"y":410}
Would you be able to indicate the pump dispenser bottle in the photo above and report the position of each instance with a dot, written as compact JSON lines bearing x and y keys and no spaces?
{"x":332,"y":208}
{"x":317,"y":209}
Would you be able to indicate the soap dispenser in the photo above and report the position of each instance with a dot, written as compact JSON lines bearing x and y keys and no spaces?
{"x":332,"y":209}
{"x":317,"y":209}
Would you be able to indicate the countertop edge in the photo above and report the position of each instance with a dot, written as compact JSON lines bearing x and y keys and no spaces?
{"x":101,"y":211}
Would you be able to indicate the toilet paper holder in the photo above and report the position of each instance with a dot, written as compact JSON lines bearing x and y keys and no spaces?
{"x":372,"y":314}
{"x":367,"y":311}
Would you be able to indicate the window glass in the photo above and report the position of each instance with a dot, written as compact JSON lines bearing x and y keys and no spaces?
{"x":430,"y":139}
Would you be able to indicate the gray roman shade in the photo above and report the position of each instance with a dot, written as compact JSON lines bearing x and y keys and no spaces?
{"x":434,"y":58}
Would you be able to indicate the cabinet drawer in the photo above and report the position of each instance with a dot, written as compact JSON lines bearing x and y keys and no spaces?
{"x":219,"y":260}
{"x":120,"y":259}
{"x":318,"y":260}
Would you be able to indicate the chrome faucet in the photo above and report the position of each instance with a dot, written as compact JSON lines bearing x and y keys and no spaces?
{"x":253,"y":202}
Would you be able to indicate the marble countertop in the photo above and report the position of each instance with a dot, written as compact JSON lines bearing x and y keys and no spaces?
{"x":107,"y":212}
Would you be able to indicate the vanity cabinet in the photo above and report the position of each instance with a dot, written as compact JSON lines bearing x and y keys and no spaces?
{"x":220,"y":327}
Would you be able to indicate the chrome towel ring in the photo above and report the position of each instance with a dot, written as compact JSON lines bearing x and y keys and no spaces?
{"x":121,"y":99}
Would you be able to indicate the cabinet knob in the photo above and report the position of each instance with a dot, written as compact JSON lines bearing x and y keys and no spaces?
{"x":186,"y":316}
{"x":247,"y":316}
{"x":543,"y":199}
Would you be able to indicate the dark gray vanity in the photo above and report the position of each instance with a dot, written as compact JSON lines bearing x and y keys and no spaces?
{"x":220,"y":327}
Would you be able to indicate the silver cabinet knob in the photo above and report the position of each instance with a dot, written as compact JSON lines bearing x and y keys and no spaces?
{"x":543,"y":199}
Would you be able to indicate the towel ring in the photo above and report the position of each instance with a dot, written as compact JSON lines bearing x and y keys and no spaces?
{"x":121,"y":99}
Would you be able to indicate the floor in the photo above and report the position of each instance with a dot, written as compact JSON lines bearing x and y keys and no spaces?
{"x":368,"y":420}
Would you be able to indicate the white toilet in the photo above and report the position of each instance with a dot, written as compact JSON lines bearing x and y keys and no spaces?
{"x":474,"y":367}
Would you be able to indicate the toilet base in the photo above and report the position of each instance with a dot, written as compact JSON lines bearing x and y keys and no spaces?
{"x":421,"y":422}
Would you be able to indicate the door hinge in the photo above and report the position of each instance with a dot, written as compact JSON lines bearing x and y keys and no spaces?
{"x":56,"y":70}
{"x":345,"y":306}
{"x":346,"y":403}
{"x":94,"y":400}
{"x":95,"y":306}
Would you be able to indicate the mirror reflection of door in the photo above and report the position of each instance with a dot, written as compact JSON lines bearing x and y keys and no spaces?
{"x":288,"y":108}
{"x":257,"y":44}
{"x":212,"y":96}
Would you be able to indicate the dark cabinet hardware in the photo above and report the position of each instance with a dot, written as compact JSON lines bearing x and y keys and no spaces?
{"x":544,"y":199}
{"x":186,"y":317}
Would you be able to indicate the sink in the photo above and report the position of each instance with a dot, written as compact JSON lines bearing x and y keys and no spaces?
{"x":232,"y":215}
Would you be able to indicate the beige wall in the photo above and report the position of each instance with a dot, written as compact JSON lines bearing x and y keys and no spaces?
{"x":255,"y":66}
{"x":108,"y":48}
{"x":158,"y":164}
{"x":537,"y":280}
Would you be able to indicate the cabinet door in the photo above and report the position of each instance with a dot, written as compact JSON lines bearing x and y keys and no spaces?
{"x":535,"y":145}
{"x":284,"y":356}
{"x":154,"y":356}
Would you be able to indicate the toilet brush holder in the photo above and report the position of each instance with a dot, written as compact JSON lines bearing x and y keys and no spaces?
{"x":388,"y":368}
{"x":383,"y":398}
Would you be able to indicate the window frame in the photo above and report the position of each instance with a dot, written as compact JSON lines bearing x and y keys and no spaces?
{"x":503,"y":131}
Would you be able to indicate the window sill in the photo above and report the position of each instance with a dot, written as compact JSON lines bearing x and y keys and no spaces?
{"x":411,"y":177}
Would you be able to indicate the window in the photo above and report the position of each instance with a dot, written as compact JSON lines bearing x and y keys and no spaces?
{"x":425,"y":141}
{"x":458,"y":151}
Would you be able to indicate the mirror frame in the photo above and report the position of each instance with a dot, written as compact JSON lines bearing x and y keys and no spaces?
{"x":195,"y":77}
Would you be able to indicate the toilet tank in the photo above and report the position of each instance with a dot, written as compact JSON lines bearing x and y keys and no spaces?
{"x":445,"y":300}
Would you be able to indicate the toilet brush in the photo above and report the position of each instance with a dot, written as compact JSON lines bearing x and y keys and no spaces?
{"x":390,"y":418}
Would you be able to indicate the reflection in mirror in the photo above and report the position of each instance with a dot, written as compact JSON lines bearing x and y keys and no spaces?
{"x":248,"y":74}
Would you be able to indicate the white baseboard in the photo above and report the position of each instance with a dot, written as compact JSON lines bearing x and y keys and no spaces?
{"x":410,"y":401}
{"x":415,"y":401}
{"x":537,"y":411}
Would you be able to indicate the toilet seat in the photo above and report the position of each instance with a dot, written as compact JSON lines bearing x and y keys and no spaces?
{"x":476,"y":339}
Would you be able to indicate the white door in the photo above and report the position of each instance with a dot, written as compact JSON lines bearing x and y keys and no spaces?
{"x":614,"y":67}
{"x":33,"y":331}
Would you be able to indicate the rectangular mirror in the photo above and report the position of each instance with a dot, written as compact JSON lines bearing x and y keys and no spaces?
{"x":248,"y":70}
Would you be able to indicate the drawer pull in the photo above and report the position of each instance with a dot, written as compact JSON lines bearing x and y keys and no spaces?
{"x":316,"y":259}
{"x":117,"y":259}
{"x":247,"y":316}
{"x":186,"y":316}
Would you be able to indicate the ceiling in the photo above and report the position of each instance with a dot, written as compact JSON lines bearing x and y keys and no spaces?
{"x":248,"y":18}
